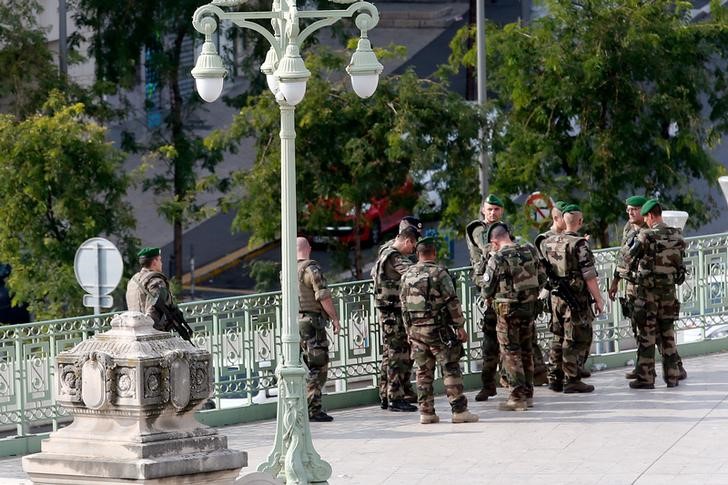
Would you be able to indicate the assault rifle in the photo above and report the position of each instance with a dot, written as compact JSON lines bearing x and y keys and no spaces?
{"x":174,"y":316}
{"x":445,"y":331}
{"x":559,"y":286}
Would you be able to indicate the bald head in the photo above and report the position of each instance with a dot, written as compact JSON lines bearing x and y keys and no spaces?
{"x":303,"y":248}
{"x":573,"y":221}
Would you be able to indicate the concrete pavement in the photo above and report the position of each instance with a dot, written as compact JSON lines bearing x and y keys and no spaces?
{"x":613,"y":436}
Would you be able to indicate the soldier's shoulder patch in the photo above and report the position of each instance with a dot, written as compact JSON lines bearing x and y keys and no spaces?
{"x":486,"y":277}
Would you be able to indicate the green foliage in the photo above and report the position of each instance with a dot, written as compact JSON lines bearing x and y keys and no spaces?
{"x":267,"y":275}
{"x":354,"y":149}
{"x":607,"y":98}
{"x":61,"y":183}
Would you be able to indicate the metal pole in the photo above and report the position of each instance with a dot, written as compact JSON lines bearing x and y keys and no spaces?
{"x":482,"y":94}
{"x":62,"y":38}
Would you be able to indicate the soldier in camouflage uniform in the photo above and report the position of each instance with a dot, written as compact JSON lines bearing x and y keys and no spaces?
{"x":435,"y":324}
{"x":656,"y":259}
{"x":479,"y":251}
{"x":315,"y":309}
{"x":147,"y":285}
{"x":396,"y":366}
{"x":623,"y":272}
{"x":512,"y":281}
{"x":571,"y":260}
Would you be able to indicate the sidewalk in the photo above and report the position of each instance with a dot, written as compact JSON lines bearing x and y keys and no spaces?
{"x":613,"y":436}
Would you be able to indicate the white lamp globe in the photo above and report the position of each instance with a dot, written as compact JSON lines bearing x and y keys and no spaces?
{"x":676,"y":219}
{"x":364,"y":85}
{"x":209,"y":88}
{"x":293,"y":91}
{"x":272,"y":82}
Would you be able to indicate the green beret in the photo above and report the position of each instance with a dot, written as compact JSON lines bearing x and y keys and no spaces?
{"x":426,"y":241}
{"x":149,"y":252}
{"x":494,"y":200}
{"x":571,"y":208}
{"x":636,"y":201}
{"x":561,"y":205}
{"x":648,"y":206}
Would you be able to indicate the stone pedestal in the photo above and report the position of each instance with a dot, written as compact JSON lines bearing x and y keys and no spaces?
{"x":133,"y":392}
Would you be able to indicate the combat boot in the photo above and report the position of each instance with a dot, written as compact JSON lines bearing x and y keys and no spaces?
{"x":400,"y":405}
{"x":683,"y":372}
{"x":574,"y":385}
{"x":673,"y":383}
{"x":320,"y":417}
{"x":429,"y":418}
{"x":585,"y":373}
{"x":640,"y":384}
{"x":540,"y":379}
{"x":464,"y":417}
{"x":631,"y":374}
{"x":556,"y":386}
{"x":529,"y":402}
{"x":410,"y":398}
{"x":513,"y":405}
{"x":485,"y":393}
{"x":384,"y":403}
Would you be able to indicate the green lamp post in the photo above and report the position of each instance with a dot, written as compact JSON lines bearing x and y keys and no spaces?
{"x":293,"y":457}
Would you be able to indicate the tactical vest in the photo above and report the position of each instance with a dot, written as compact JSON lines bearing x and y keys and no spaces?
{"x":661,"y":264}
{"x":386,"y":291}
{"x":623,"y":269}
{"x":560,"y":251}
{"x":307,"y":301}
{"x":137,"y":291}
{"x":520,"y":276}
{"x":417,"y":293}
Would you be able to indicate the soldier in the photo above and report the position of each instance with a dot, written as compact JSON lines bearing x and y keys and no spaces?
{"x":435,"y":322}
{"x":315,"y":309}
{"x":569,"y":259}
{"x":656,"y":258}
{"x":396,"y":366}
{"x":149,"y":285}
{"x":623,"y":272}
{"x":513,"y":279}
{"x":479,"y":250}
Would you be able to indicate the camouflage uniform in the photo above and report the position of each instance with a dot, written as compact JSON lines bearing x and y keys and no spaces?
{"x":396,"y":367}
{"x":571,"y":258}
{"x":656,"y":257}
{"x":430,"y":305}
{"x":513,"y":279}
{"x":141,"y":294}
{"x":312,"y":320}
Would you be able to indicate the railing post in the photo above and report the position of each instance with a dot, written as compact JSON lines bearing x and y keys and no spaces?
{"x":20,"y":384}
{"x":52,"y":374}
{"x":216,"y":349}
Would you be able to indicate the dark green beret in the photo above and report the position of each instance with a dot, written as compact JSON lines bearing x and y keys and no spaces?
{"x":648,"y":206}
{"x":494,"y":199}
{"x":426,"y":241}
{"x":636,"y":201}
{"x":561,"y":205}
{"x":571,"y":208}
{"x":149,"y":252}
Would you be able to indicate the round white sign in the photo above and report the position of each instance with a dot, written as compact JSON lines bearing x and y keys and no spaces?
{"x":98,"y":266}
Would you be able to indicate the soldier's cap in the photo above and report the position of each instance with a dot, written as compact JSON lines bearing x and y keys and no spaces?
{"x":425,"y":241}
{"x":494,"y":200}
{"x":561,"y":205}
{"x":493,"y":226}
{"x":410,"y":221}
{"x":149,"y":252}
{"x":636,"y":201}
{"x":571,"y":208}
{"x":648,"y":206}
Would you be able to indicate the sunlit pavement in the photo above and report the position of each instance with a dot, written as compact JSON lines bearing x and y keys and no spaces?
{"x":613,"y":436}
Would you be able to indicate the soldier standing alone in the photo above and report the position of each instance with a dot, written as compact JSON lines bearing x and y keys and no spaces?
{"x":435,"y":321}
{"x":315,"y":309}
{"x":513,"y":279}
{"x":149,"y":285}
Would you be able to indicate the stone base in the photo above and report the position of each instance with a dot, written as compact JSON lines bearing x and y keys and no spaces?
{"x":217,"y":467}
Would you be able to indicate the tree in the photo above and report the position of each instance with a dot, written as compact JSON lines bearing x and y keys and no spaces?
{"x":61,"y":183}
{"x":606,"y":98}
{"x":353,"y":149}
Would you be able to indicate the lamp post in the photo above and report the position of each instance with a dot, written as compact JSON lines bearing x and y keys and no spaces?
{"x":293,"y":457}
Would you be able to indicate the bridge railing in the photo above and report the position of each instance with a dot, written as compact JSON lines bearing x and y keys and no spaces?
{"x":244,"y":337}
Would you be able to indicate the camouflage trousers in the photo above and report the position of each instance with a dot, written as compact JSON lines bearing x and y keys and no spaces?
{"x":396,"y":368}
{"x":428,"y":349}
{"x":315,"y":349}
{"x":631,"y":295}
{"x":655,"y":311}
{"x":489,"y":348}
{"x":571,"y":342}
{"x":515,"y":336}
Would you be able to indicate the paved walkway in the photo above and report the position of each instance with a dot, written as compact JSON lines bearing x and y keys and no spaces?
{"x":613,"y":436}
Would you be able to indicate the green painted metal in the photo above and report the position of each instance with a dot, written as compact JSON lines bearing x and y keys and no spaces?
{"x":243,"y":334}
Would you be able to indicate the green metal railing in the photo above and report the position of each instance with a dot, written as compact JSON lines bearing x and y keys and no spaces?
{"x":243,"y":336}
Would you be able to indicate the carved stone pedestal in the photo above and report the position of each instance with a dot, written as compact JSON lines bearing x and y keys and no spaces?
{"x":133,"y":392}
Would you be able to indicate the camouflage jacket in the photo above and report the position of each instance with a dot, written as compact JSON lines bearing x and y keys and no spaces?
{"x":142,"y":292}
{"x":622,"y":269}
{"x":514,"y":275}
{"x":572,"y":259}
{"x":387,"y":274}
{"x":311,"y":287}
{"x":428,"y":296}
{"x":656,"y":257}
{"x":479,"y":249}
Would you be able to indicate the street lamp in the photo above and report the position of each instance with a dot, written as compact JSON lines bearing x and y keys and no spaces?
{"x":293,"y":457}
